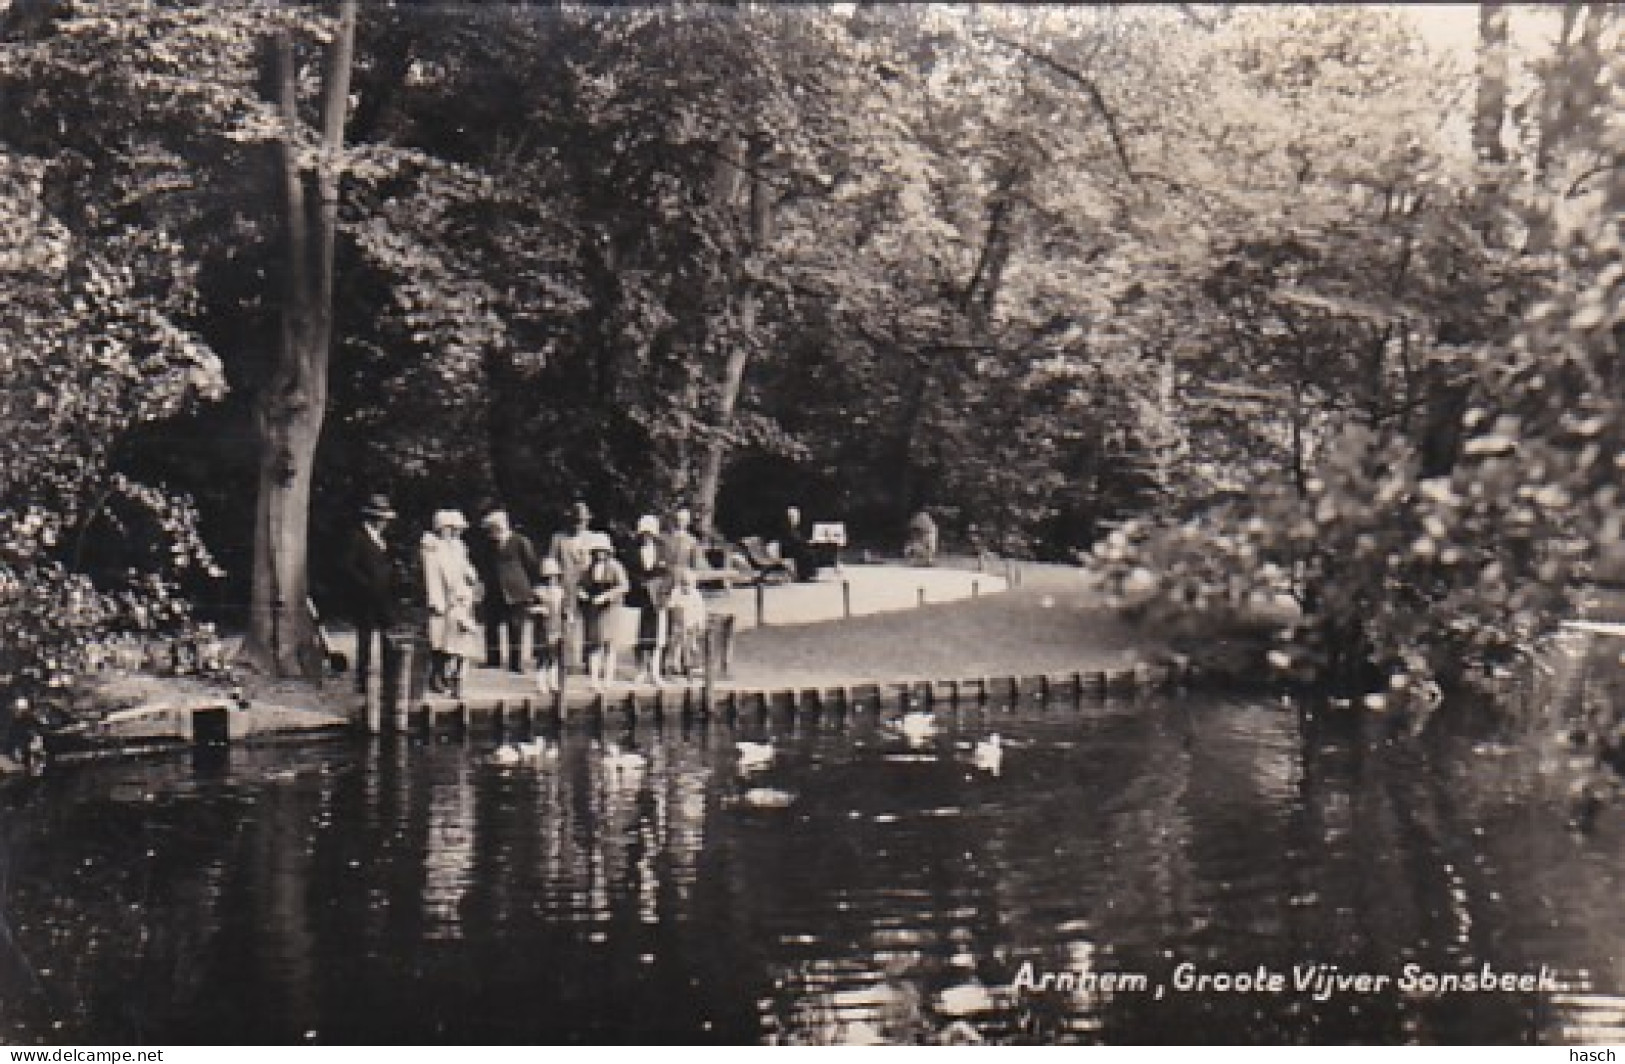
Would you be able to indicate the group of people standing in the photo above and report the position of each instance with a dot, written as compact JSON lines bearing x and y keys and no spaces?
{"x":497,"y":593}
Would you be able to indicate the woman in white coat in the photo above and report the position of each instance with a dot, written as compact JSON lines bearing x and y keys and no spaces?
{"x":452,"y":588}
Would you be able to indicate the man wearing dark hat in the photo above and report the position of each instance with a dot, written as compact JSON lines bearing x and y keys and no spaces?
{"x":369,"y":580}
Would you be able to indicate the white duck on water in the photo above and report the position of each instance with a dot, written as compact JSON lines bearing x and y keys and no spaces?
{"x":538,"y":749}
{"x":767,"y":798}
{"x":533,"y":752}
{"x":989,"y":754}
{"x":918,"y":726}
{"x":617,"y":759}
{"x":754,"y":757}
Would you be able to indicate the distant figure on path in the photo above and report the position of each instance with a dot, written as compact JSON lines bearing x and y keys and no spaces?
{"x":599,"y":592}
{"x":922,"y":539}
{"x":369,"y":586}
{"x":453,"y":589}
{"x":513,"y":573}
{"x":649,"y":578}
{"x":978,"y":546}
{"x":793,"y":545}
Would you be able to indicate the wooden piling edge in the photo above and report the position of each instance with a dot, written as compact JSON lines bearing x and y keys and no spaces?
{"x":927,"y":695}
{"x":430,"y":717}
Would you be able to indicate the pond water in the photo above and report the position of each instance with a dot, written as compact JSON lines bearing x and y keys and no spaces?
{"x":410,"y":892}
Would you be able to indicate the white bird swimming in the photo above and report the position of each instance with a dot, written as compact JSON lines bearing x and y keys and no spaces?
{"x":918,"y":725}
{"x":989,"y":754}
{"x":507,"y":754}
{"x":753,"y":757}
{"x":620,"y":760}
{"x":538,"y":749}
{"x":767,"y":798}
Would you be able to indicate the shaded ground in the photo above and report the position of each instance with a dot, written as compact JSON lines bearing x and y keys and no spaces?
{"x":1053,"y":622}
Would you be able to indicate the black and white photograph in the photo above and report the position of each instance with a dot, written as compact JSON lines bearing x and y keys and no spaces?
{"x":756,"y":524}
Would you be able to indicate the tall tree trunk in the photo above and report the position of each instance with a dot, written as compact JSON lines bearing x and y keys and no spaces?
{"x":729,"y":174}
{"x":1492,"y":82}
{"x":290,"y":411}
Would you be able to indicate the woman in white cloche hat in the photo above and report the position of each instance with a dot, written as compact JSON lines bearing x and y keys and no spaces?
{"x":452,"y":588}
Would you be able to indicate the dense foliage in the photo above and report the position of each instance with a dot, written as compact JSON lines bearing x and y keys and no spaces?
{"x":1235,"y":276}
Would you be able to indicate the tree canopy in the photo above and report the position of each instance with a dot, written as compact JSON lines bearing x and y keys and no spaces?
{"x":1239,"y":277}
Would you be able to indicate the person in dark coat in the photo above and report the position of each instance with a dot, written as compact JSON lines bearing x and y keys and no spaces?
{"x":512,"y":571}
{"x":793,"y":546}
{"x":648,"y":576}
{"x":369,"y":585}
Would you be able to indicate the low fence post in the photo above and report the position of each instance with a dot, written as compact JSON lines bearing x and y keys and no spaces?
{"x":710,"y":656}
{"x":561,"y":647}
{"x":395,"y":681}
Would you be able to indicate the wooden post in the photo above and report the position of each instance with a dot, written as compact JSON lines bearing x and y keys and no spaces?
{"x":761,"y":604}
{"x":921,"y":593}
{"x":564,"y":674}
{"x":846,"y":598}
{"x":402,"y":692}
{"x":1077,"y":686}
{"x":211,"y":726}
{"x":953,"y":693}
{"x":372,"y":709}
{"x":1043,"y":689}
{"x":982,"y":689}
{"x":710,"y":652}
{"x":499,"y":716}
{"x":929,"y":694}
{"x":975,"y":588}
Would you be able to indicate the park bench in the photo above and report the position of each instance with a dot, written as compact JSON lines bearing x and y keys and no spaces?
{"x":769,"y":568}
{"x":725,"y":568}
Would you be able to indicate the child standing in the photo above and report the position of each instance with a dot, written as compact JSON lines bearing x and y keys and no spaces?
{"x":686,"y":609}
{"x":547,"y":616}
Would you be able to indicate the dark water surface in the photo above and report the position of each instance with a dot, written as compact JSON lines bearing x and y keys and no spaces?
{"x":401,"y":893}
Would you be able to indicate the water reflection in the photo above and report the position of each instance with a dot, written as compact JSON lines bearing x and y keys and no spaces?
{"x":405,"y":892}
